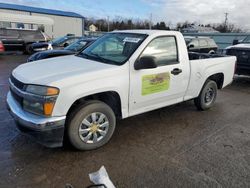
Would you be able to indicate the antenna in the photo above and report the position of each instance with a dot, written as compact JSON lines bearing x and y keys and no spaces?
{"x":150,"y":22}
{"x":108,"y":23}
{"x":226,"y":19}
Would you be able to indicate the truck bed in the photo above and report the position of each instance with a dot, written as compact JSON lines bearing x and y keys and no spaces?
{"x":196,"y":56}
{"x":203,"y":65}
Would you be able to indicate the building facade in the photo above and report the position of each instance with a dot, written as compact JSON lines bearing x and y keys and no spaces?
{"x":63,"y":22}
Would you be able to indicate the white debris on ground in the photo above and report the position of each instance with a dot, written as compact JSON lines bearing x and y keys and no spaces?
{"x":101,"y":177}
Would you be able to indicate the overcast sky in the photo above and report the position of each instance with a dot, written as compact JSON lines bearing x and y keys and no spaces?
{"x":200,"y":11}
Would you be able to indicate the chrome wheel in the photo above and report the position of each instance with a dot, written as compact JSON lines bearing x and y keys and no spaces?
{"x":94,"y":128}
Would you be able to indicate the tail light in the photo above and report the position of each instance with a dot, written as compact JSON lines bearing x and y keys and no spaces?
{"x":1,"y":47}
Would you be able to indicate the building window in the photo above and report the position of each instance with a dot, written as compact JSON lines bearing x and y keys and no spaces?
{"x":5,"y":25}
{"x":20,"y":25}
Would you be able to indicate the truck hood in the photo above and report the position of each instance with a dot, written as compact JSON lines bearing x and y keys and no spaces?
{"x":244,"y":46}
{"x":40,"y":45}
{"x":45,"y":72}
{"x":49,"y":53}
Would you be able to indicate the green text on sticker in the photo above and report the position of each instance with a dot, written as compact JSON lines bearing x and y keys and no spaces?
{"x":155,"y":83}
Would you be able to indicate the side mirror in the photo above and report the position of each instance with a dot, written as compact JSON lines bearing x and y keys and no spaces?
{"x":66,"y":44}
{"x":190,"y":46}
{"x":146,"y":62}
{"x":235,"y":42}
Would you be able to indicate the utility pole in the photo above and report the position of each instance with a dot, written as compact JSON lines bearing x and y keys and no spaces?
{"x":108,"y":23}
{"x":226,"y":20}
{"x":150,"y":22}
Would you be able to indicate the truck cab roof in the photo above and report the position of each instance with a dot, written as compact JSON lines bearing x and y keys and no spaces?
{"x":146,"y":31}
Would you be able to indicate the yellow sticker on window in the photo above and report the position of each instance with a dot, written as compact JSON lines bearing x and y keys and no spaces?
{"x":155,"y":83}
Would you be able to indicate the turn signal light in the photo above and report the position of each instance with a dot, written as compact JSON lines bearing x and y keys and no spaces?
{"x":48,"y":108}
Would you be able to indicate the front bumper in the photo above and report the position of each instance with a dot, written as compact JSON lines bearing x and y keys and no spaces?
{"x":243,"y":70}
{"x":48,"y":131}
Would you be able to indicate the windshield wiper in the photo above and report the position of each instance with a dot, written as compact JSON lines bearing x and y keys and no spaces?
{"x":97,"y":56}
{"x":87,"y":56}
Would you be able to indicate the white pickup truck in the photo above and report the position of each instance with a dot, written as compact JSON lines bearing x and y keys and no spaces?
{"x":122,"y":74}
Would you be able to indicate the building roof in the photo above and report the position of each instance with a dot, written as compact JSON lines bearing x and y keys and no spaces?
{"x":39,"y":10}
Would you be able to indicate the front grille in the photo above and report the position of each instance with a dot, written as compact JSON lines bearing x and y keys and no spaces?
{"x":238,"y":52}
{"x":17,"y":97}
{"x":17,"y":83}
{"x":243,"y":56}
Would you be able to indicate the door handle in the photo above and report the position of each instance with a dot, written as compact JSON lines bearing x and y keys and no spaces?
{"x":176,"y":71}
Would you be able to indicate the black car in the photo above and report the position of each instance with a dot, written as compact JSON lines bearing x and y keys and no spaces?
{"x":57,"y":43}
{"x":69,"y":50}
{"x":201,"y":45}
{"x":242,"y":52}
{"x":20,"y":39}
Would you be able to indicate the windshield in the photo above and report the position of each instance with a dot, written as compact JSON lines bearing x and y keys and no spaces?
{"x":113,"y":48}
{"x":59,"y":40}
{"x":246,"y":40}
{"x":76,"y":46}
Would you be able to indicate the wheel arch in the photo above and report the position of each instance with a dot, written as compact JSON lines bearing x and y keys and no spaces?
{"x":111,"y":98}
{"x":218,"y":78}
{"x":25,"y":45}
{"x":211,"y":52}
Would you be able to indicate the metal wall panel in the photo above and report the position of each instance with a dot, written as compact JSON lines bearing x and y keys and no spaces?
{"x":62,"y":24}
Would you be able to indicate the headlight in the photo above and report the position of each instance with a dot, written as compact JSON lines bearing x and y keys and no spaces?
{"x":38,"y":108}
{"x":33,"y":107}
{"x":42,"y":90}
{"x":224,"y":52}
{"x":44,"y":101}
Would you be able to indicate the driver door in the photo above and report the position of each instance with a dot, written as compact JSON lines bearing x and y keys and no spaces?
{"x":162,"y":86}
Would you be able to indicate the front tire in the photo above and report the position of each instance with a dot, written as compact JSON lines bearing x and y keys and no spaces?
{"x":207,"y":96}
{"x":28,"y":49}
{"x":91,"y":125}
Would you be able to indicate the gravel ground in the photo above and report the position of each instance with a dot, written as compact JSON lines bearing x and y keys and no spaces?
{"x":176,"y":146}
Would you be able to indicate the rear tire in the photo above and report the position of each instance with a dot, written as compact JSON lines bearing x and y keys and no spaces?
{"x":207,"y":96}
{"x":91,"y":125}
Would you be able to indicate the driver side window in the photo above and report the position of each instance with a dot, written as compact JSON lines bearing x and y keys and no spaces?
{"x":164,"y":49}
